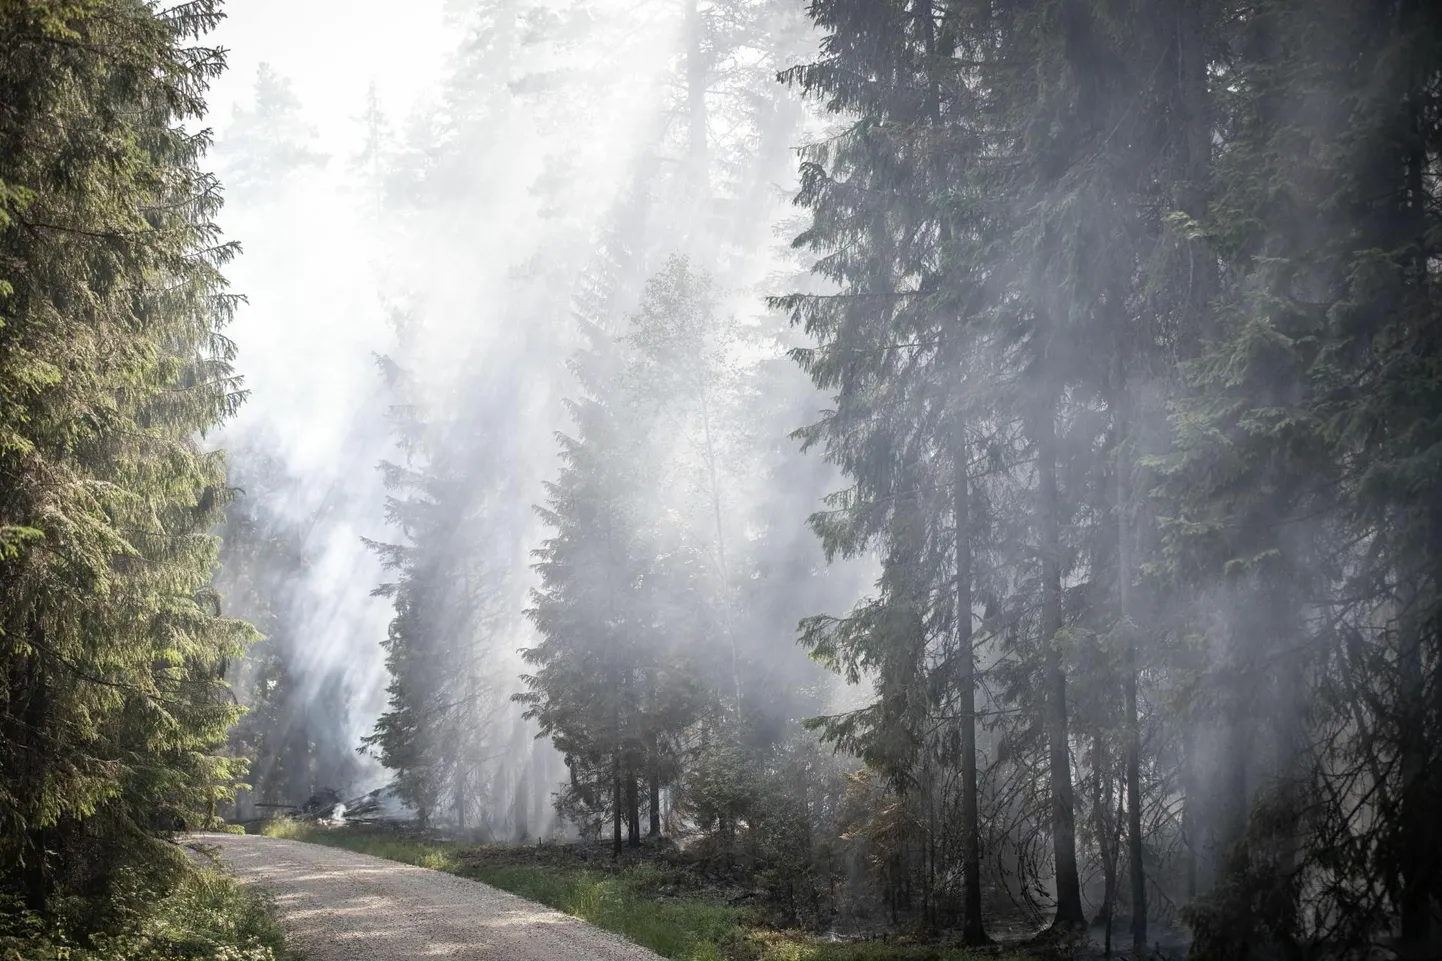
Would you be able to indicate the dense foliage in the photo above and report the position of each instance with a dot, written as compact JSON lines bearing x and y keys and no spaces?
{"x":1133,"y":346}
{"x":113,"y":648}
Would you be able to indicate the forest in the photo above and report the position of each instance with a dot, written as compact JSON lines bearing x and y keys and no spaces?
{"x":961,"y":469}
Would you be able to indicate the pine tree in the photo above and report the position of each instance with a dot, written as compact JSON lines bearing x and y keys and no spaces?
{"x":627,"y":603}
{"x":899,"y":347}
{"x":450,"y":605}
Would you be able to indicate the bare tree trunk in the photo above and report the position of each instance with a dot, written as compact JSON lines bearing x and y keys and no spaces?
{"x":633,"y":805}
{"x":458,"y":787}
{"x":1101,"y":821}
{"x":616,"y":787}
{"x":1416,"y":907}
{"x":34,"y":693}
{"x":721,"y":553}
{"x":1063,"y":802}
{"x":1135,"y":847}
{"x":973,"y":926}
{"x":653,"y":777}
{"x":1419,"y":831}
{"x":540,"y":780}
{"x":1189,"y":807}
{"x":1232,"y":779}
{"x":1127,"y":627}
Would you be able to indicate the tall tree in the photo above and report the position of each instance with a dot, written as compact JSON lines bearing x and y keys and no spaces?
{"x":112,"y":362}
{"x":271,"y":139}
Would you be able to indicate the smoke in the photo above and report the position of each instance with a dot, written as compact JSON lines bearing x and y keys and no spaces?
{"x":470,"y":168}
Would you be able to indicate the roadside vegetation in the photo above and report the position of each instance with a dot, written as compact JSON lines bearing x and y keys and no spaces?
{"x":206,"y":916}
{"x":655,"y":897}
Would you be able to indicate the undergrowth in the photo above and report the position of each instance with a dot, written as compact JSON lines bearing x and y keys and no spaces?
{"x":638,"y":901}
{"x":206,"y":916}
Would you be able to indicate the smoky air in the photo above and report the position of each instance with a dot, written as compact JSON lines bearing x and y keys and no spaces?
{"x":846,"y":476}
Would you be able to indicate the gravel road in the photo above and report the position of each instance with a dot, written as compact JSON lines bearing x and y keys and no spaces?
{"x":340,"y":906}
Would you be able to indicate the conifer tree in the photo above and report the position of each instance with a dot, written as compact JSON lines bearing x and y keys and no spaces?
{"x":449,"y":600}
{"x":112,"y":362}
{"x":270,"y":139}
{"x":1322,"y":248}
{"x":897,"y":346}
{"x":622,"y":607}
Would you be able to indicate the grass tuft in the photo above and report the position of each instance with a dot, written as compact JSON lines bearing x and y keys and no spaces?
{"x":207,"y":916}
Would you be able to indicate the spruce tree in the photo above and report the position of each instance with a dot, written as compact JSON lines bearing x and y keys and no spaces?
{"x":112,"y":363}
{"x":271,"y":140}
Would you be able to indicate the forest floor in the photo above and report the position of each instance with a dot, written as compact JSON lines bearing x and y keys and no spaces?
{"x":652,"y":897}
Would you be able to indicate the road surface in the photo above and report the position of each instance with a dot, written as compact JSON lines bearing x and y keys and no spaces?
{"x":339,"y":906}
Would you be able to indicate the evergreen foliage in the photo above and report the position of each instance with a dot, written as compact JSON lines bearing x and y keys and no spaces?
{"x":616,"y":672}
{"x":1048,"y":226}
{"x":113,"y":647}
{"x":449,"y":603}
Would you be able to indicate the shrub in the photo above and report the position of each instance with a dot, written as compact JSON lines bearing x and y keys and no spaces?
{"x":207,"y":916}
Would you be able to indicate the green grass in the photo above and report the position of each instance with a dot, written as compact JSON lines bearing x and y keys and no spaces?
{"x":629,"y":902}
{"x":426,"y":854}
{"x":207,"y":916}
{"x":625,"y":903}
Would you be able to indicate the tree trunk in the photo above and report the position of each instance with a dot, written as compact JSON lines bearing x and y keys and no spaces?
{"x":1135,"y":847}
{"x":520,"y":817}
{"x":1416,"y":908}
{"x":1127,"y":629}
{"x":973,"y":926}
{"x":653,"y":778}
{"x":1419,"y":832}
{"x":721,"y":553}
{"x":1189,"y":806}
{"x":1232,"y":779}
{"x":36,"y":696}
{"x":539,"y":783}
{"x":458,"y":786}
{"x":633,"y":806}
{"x":1063,"y":803}
{"x":616,"y":799}
{"x":1101,"y":808}
{"x":616,"y":805}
